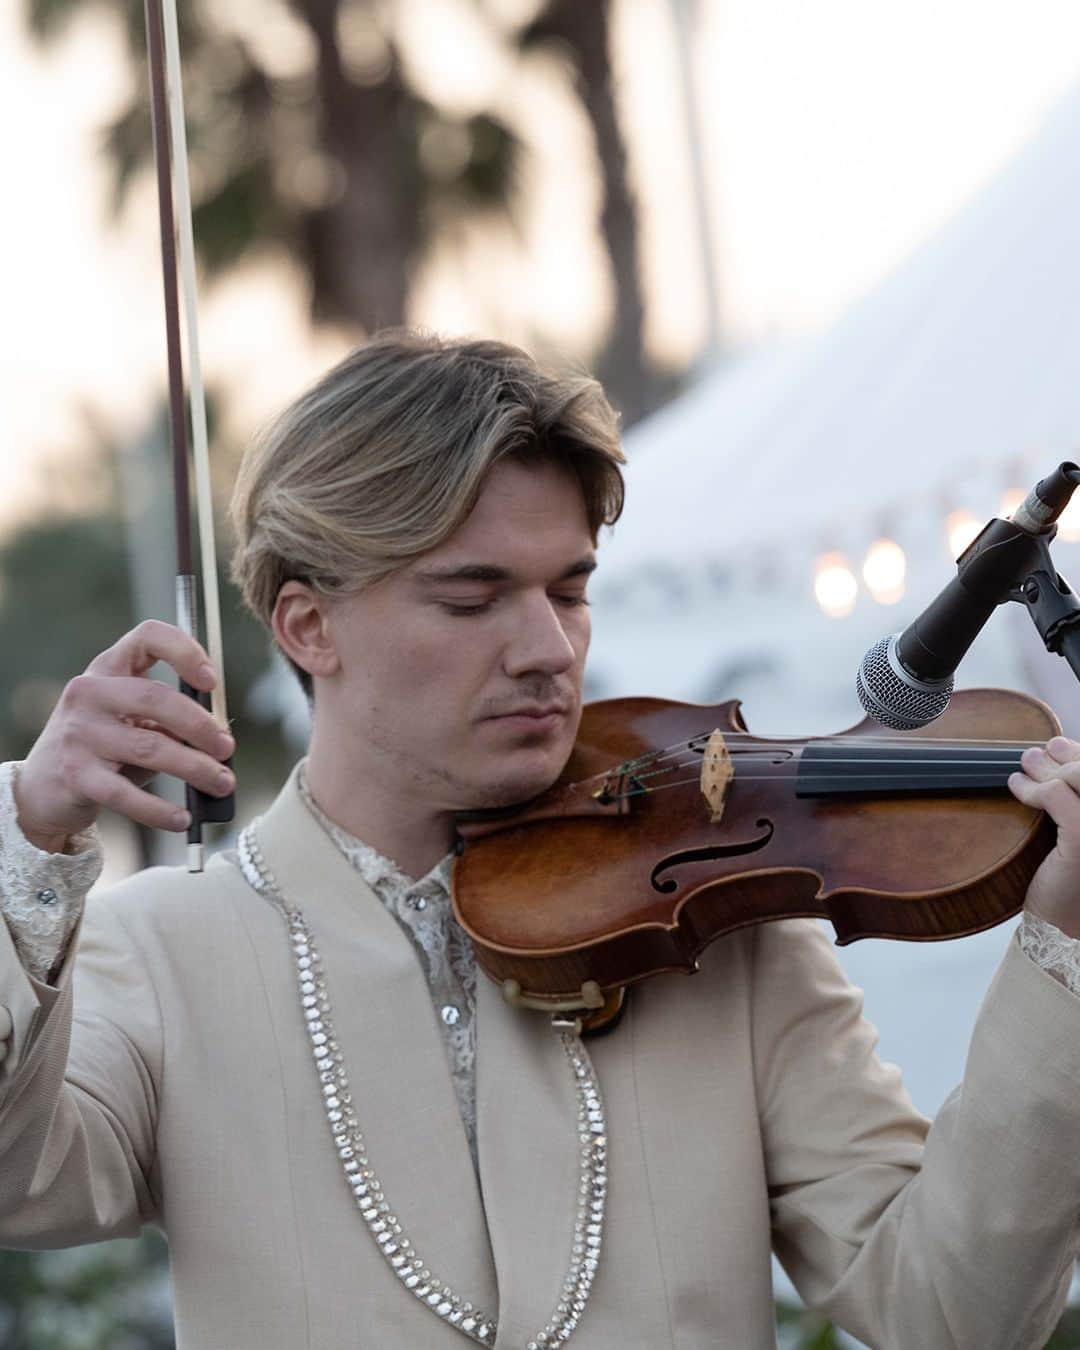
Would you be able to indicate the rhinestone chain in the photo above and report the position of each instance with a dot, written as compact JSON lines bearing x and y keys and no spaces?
{"x":382,"y":1223}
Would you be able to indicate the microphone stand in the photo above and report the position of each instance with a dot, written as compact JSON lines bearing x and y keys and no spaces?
{"x":1010,"y":560}
{"x":1052,"y":603}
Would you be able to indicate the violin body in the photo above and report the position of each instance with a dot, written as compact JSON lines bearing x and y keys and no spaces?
{"x":621,"y":871}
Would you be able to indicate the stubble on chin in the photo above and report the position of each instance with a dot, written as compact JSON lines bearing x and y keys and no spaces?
{"x":499,"y":788}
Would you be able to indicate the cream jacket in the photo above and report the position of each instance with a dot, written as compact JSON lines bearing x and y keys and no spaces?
{"x":167,"y":1079}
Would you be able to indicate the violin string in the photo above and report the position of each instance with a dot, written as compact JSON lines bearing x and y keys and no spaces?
{"x":777,"y":744}
{"x":897,"y":762}
{"x":873,"y":769}
{"x":787,"y":767}
{"x":630,"y":771}
{"x":875,"y":764}
{"x":770,"y":746}
{"x":809,"y":780}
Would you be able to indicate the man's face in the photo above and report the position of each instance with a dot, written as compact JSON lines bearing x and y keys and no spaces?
{"x":461,"y":675}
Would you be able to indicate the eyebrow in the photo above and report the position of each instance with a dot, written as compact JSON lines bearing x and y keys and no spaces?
{"x":486,"y":572}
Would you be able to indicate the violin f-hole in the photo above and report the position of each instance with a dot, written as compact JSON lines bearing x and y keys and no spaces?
{"x":666,"y":885}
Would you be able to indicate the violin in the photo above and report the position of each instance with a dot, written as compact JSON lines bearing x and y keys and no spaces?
{"x":672,"y":825}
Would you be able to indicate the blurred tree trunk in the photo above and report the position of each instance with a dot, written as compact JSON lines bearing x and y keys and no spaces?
{"x":585,"y":30}
{"x":360,"y":245}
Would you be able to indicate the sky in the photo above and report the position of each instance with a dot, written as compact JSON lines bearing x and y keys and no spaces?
{"x":835,"y":137}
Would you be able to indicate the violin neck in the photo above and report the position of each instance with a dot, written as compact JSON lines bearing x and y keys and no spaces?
{"x":845,"y":768}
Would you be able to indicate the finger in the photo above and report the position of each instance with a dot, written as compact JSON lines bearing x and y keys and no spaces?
{"x":1040,"y":766}
{"x":128,"y":698}
{"x":1055,"y":797}
{"x":1063,"y":750}
{"x":111,"y":789}
{"x":140,"y":777}
{"x":153,"y":752}
{"x":148,"y":724}
{"x":154,"y":641}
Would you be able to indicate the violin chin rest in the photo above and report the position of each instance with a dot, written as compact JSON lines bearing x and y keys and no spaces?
{"x":591,"y":1012}
{"x":602,"y":1020}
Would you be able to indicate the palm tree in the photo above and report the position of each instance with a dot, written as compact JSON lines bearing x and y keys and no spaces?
{"x":583,"y":32}
{"x":334,"y":165}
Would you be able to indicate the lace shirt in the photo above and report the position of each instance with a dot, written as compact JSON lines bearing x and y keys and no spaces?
{"x":41,"y":898}
{"x":41,"y":894}
{"x":446,"y":955}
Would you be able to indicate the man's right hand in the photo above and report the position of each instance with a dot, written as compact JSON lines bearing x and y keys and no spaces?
{"x":112,"y":730}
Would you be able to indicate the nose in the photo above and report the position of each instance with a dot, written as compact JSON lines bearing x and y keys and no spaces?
{"x":539,"y":642}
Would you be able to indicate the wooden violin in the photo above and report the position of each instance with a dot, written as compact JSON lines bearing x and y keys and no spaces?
{"x":672,"y":825}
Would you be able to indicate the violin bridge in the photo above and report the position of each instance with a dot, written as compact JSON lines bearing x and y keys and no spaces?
{"x":716,"y":775}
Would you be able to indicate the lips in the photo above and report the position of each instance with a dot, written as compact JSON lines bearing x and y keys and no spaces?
{"x":537,"y":711}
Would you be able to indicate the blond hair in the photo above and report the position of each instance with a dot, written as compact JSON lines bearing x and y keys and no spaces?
{"x":384,"y":457}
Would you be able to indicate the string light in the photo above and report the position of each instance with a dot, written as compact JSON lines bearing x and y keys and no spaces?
{"x":1010,"y":500}
{"x":1069,"y":521}
{"x":884,"y":567}
{"x":884,"y":570}
{"x":961,"y":527}
{"x":835,"y":587}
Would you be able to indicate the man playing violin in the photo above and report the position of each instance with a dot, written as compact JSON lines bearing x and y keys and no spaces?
{"x":271,"y":1057}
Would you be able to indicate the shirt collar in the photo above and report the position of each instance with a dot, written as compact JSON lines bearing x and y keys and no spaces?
{"x":380,"y":873}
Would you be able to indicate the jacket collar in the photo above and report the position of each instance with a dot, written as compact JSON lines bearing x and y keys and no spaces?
{"x":394,"y":1057}
{"x":404,"y":1097}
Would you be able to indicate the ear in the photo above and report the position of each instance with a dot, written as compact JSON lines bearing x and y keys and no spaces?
{"x":301,"y":629}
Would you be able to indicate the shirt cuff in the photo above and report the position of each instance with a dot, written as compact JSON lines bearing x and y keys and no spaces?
{"x":41,"y":894}
{"x":1051,"y":949}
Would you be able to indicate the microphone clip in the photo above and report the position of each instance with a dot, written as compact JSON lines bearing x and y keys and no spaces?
{"x":1052,"y":603}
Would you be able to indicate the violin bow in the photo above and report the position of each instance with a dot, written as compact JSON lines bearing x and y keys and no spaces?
{"x":173,"y":186}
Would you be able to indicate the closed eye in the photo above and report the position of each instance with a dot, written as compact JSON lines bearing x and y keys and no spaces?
{"x":466,"y":610}
{"x":482,"y":606}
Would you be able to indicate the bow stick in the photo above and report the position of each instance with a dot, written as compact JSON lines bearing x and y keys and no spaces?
{"x":167,"y":112}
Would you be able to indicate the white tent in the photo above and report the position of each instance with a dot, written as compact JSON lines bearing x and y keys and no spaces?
{"x":956,"y":379}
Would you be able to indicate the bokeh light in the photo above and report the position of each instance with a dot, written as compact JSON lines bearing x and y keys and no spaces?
{"x":1069,"y":521}
{"x":1010,"y":500}
{"x":884,"y":571}
{"x":961,"y":527}
{"x":835,"y":586}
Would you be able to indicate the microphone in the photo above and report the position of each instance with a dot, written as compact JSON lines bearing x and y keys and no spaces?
{"x":1039,"y":510}
{"x":906,"y":680}
{"x":894,"y":695}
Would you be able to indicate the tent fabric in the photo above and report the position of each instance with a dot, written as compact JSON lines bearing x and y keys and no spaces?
{"x":967,"y":355}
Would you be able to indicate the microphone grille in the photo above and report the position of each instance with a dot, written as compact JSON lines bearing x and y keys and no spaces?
{"x":894,"y":698}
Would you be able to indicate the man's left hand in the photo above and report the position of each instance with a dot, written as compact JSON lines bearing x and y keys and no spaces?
{"x":1050,"y":781}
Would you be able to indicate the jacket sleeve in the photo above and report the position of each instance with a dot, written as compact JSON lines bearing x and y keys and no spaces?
{"x":78,"y":1093}
{"x":959,"y":1235}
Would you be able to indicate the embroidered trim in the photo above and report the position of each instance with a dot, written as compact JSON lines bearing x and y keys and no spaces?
{"x":1050,"y":948}
{"x":41,"y":893}
{"x":360,"y":1176}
